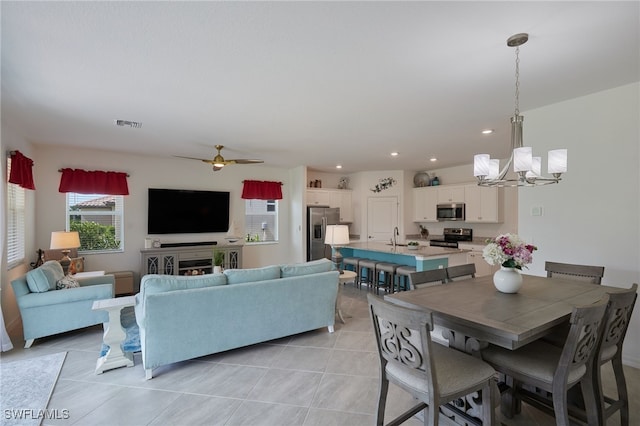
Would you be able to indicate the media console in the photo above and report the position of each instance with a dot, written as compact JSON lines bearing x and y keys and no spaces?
{"x":178,"y":260}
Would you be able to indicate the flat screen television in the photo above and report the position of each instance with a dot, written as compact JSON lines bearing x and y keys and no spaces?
{"x":182,"y":211}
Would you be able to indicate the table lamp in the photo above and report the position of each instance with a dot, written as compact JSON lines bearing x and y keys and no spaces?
{"x":337,"y":236}
{"x":65,"y":241}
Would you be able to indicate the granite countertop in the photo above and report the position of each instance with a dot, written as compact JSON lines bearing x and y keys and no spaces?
{"x":423,"y":250}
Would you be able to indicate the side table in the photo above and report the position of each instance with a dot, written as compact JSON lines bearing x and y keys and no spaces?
{"x":344,"y":277}
{"x":114,"y":334}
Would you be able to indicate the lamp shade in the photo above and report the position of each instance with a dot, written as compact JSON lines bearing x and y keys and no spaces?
{"x":481,"y":165}
{"x":337,"y":235}
{"x":64,"y":240}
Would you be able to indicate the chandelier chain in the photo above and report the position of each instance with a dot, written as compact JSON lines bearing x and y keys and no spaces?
{"x":517,"y":111}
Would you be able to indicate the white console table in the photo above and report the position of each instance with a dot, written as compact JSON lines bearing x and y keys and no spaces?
{"x":114,"y":334}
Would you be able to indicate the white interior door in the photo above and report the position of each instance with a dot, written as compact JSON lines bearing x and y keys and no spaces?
{"x":382,"y":217}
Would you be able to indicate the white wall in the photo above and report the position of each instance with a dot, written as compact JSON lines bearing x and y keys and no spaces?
{"x":158,"y":172}
{"x":593,"y":215}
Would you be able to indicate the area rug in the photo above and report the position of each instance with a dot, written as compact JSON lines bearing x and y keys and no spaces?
{"x":132,"y":340}
{"x":26,"y":387}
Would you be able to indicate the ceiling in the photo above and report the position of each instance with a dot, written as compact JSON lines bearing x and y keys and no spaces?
{"x":304,"y":83}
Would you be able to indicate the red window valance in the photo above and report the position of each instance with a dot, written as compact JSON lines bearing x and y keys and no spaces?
{"x":93,"y":182}
{"x":262,"y":190}
{"x":21,"y":170}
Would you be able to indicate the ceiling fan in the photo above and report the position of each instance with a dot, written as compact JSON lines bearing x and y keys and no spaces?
{"x":219,"y":162}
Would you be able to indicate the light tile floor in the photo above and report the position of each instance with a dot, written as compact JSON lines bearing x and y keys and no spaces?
{"x":314,"y":378}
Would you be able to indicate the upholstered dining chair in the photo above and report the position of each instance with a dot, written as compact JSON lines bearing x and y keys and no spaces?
{"x":587,"y":273}
{"x":427,"y":278}
{"x":553,"y":369}
{"x":461,"y":271}
{"x":433,"y":374}
{"x":610,"y":350}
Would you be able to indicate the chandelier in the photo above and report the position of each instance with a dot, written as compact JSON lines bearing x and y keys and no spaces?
{"x":525,"y":165}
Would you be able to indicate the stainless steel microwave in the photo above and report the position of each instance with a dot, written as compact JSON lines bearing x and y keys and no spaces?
{"x":450,"y":211}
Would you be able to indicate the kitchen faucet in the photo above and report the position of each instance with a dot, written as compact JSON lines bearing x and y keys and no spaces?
{"x":396,"y":232}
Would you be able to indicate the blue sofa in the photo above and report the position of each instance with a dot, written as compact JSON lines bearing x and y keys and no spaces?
{"x":46,"y":311}
{"x":185,"y":317}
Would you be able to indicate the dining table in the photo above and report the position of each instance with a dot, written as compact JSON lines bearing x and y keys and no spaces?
{"x":474,"y":314}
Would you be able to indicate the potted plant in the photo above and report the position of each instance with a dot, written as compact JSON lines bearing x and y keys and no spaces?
{"x":218,"y":261}
{"x":413,"y":245}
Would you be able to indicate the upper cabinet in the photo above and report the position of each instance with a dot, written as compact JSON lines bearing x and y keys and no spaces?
{"x":341,"y":198}
{"x":318,"y":197}
{"x":450,"y":194}
{"x":483,"y":205}
{"x":425,"y":200}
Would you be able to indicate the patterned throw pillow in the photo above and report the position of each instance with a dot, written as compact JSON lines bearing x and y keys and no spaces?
{"x":67,"y":282}
{"x":76,"y":265}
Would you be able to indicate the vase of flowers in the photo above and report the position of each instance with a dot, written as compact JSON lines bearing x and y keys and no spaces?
{"x":511,"y":253}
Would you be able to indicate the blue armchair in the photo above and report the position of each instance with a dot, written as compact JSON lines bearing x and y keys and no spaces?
{"x":46,"y":311}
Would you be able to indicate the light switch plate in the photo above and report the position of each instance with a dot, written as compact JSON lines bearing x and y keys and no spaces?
{"x":536,"y":211}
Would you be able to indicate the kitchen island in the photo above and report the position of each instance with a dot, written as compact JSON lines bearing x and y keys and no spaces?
{"x":423,"y":258}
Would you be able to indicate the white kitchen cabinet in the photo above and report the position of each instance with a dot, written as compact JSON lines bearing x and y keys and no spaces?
{"x":341,"y":198}
{"x":318,"y":197}
{"x":425,"y":200}
{"x":482,"y":204}
{"x":475,"y":257}
{"x":450,"y":194}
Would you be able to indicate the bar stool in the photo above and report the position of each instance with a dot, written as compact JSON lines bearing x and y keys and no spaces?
{"x":389,"y":275}
{"x":402,"y":272}
{"x":354,"y":262}
{"x":367,"y":266}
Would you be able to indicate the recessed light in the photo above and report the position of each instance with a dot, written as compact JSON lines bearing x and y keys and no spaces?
{"x":433,"y":159}
{"x":487,"y":131}
{"x":338,"y":166}
{"x":394,"y":154}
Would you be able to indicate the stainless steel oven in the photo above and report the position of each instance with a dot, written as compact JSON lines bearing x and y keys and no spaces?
{"x":450,"y":211}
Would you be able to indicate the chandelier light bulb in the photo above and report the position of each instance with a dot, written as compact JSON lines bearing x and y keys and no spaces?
{"x":557,"y":161}
{"x":522,"y":159}
{"x":481,"y":165}
{"x":536,"y":168}
{"x":494,"y":168}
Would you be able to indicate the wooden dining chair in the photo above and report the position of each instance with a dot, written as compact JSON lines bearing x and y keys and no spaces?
{"x":610,"y":350}
{"x":427,"y":278}
{"x":587,"y":273}
{"x":553,"y":369}
{"x":433,"y":374}
{"x":461,"y":271}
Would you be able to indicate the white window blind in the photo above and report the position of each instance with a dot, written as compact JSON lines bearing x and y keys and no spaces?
{"x":15,"y":222}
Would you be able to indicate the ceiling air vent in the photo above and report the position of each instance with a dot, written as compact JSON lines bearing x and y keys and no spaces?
{"x":134,"y":124}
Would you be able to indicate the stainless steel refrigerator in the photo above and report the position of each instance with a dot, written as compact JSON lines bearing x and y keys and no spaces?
{"x":318,"y":217}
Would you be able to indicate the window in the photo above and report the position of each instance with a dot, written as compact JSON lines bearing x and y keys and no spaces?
{"x":15,"y":222}
{"x":98,"y":218}
{"x":261,"y":220}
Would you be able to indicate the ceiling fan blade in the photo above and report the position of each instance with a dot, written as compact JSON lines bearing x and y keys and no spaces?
{"x":194,"y":158}
{"x":245,"y":161}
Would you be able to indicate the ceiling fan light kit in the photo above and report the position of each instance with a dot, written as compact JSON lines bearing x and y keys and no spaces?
{"x":528,"y":168}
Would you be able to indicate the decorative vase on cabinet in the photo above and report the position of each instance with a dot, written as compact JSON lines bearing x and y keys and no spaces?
{"x":507,"y":280}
